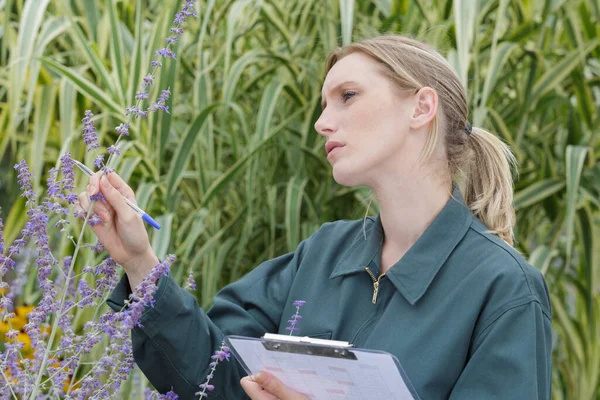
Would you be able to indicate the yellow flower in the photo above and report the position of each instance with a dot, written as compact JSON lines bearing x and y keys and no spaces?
{"x":22,"y":311}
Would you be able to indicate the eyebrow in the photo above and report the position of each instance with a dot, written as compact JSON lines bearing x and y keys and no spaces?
{"x":333,"y":89}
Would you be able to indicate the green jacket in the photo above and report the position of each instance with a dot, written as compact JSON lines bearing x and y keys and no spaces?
{"x":464,"y":313}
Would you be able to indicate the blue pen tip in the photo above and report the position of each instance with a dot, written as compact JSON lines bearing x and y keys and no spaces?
{"x":149,"y":220}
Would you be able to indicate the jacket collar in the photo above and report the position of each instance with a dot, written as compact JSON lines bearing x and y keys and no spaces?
{"x":413,"y":273}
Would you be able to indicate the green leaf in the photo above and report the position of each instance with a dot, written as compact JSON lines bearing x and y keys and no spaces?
{"x":346,"y":20}
{"x":41,"y":126}
{"x":161,"y":238}
{"x":541,"y":257}
{"x":293,"y":203}
{"x":182,"y":154}
{"x":86,"y":87}
{"x":88,"y":52}
{"x":117,"y":52}
{"x":227,"y":177}
{"x":21,"y":55}
{"x":555,"y":75}
{"x":268,"y":103}
{"x":574,"y":164}
{"x":536,"y":192}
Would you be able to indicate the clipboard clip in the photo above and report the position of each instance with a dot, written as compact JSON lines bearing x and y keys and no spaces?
{"x":308,"y":346}
{"x":306,"y":339}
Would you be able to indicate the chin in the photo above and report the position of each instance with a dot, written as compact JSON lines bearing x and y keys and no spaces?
{"x":347,"y":176}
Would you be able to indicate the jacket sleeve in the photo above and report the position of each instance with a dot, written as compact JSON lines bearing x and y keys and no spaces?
{"x":511,"y":358}
{"x":177,"y":337}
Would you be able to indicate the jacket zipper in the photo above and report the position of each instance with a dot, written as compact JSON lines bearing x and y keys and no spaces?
{"x":375,"y":284}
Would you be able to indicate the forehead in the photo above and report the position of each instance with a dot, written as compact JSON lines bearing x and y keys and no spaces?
{"x":355,"y":67}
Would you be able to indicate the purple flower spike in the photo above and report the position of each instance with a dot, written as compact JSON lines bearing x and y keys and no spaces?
{"x":296,"y":317}
{"x":89,"y":131}
{"x":171,"y":39}
{"x":148,"y":81}
{"x":141,"y":95}
{"x":113,"y":150}
{"x":171,"y":395}
{"x":190,"y":283}
{"x":160,"y":104}
{"x":24,"y":176}
{"x":178,"y":31}
{"x":123,"y":129}
{"x":68,"y":181}
{"x":220,"y":355}
{"x":165,"y":52}
{"x":156,"y":64}
{"x":99,"y":160}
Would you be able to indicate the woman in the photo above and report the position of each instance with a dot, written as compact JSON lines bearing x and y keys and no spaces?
{"x":432,"y":279}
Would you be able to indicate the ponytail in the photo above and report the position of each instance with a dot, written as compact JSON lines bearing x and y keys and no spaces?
{"x":488,"y":185}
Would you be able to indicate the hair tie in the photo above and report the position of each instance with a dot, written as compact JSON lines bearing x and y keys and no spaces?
{"x":469,"y":128}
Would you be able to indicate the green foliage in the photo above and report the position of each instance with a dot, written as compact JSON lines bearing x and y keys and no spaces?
{"x":237,"y":173}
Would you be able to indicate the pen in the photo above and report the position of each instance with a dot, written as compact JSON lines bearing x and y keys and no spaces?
{"x":135,"y":208}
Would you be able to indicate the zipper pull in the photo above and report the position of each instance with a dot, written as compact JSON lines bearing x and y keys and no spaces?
{"x":375,"y":284}
{"x":375,"y":290}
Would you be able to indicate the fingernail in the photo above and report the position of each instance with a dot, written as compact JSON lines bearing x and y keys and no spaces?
{"x":104,"y":182}
{"x":256,"y":376}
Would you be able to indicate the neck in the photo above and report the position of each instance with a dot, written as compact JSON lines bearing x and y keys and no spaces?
{"x":407,"y":207}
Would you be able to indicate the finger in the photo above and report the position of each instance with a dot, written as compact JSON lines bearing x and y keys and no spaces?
{"x":99,"y":208}
{"x":99,"y":196}
{"x":116,"y":200}
{"x":274,"y":386}
{"x":121,"y":186}
{"x":94,"y":184}
{"x":255,"y":391}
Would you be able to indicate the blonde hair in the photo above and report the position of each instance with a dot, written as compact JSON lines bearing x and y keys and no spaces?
{"x":479,"y":159}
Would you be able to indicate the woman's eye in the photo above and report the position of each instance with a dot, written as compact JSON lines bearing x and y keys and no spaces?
{"x":347,"y":95}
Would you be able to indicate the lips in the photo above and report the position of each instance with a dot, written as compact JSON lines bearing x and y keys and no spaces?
{"x":330,"y":146}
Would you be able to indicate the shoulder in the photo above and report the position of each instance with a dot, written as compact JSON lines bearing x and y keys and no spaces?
{"x":344,"y":230}
{"x":510,"y":281}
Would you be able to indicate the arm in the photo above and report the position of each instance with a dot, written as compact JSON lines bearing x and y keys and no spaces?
{"x":174,"y":346}
{"x":511,"y":358}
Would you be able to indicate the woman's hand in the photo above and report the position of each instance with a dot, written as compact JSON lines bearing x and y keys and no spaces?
{"x":122,"y":231}
{"x":264,"y":386}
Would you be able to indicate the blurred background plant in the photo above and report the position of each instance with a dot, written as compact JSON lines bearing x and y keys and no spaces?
{"x":237,"y":173}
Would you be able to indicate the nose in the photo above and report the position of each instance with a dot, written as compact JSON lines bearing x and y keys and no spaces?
{"x":325,"y":125}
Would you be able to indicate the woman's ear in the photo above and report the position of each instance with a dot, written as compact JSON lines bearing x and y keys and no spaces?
{"x":426,"y":105}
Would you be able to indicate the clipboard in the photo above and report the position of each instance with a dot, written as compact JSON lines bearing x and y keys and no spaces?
{"x":324,"y":369}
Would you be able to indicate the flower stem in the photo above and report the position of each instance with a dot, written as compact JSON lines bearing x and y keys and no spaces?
{"x":36,"y":387}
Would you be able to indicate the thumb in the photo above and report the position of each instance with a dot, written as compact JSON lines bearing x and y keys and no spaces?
{"x":274,"y":386}
{"x":115,"y":198}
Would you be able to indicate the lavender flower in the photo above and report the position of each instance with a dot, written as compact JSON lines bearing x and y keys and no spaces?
{"x":165,"y":52}
{"x":170,"y":395}
{"x":68,"y":181}
{"x":123,"y":129}
{"x":148,"y":81}
{"x":24,"y":178}
{"x":134,"y":110}
{"x":171,"y":39}
{"x":160,"y":104}
{"x":190,"y":283}
{"x":142,"y":295}
{"x":221,"y":354}
{"x":113,"y":150}
{"x":296,"y":317}
{"x":89,"y":132}
{"x":141,"y":95}
{"x":99,"y":160}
